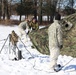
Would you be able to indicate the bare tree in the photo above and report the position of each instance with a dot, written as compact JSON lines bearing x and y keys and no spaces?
{"x":59,"y":4}
{"x":40,"y":12}
{"x":35,"y":9}
{"x":21,"y":14}
{"x":6,"y":5}
{"x":7,"y":9}
{"x":0,"y":9}
{"x":71,"y":4}
{"x":3,"y":8}
{"x":54,"y":3}
{"x":53,"y":7}
{"x":68,"y":6}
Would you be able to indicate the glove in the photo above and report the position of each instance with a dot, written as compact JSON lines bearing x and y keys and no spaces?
{"x":61,"y":46}
{"x":28,"y":32}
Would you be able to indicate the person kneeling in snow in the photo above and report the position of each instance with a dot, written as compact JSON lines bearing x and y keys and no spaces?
{"x":55,"y":41}
{"x":24,"y":29}
{"x":34,"y":25}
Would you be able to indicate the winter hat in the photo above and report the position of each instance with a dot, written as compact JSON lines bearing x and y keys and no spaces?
{"x":57,"y":16}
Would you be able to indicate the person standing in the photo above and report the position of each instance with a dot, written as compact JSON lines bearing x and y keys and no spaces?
{"x":55,"y":41}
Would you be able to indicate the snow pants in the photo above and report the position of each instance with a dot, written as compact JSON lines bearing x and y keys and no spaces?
{"x":23,"y":33}
{"x":54,"y":53}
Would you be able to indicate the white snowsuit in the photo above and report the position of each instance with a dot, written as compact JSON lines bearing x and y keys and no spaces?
{"x":23,"y":29}
{"x":55,"y":41}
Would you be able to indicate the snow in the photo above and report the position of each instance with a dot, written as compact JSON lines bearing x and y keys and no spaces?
{"x":32,"y":64}
{"x":16,"y":17}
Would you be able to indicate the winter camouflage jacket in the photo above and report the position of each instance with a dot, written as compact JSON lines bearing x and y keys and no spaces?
{"x":55,"y":35}
{"x":24,"y":25}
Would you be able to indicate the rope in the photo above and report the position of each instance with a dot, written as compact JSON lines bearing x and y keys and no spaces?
{"x":67,"y":63}
{"x":26,"y":48}
{"x":16,"y":47}
{"x":4,"y":44}
{"x":3,"y":40}
{"x":35,"y":60}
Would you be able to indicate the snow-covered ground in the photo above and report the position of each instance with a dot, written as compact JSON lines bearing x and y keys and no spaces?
{"x":32,"y":64}
{"x":29,"y":65}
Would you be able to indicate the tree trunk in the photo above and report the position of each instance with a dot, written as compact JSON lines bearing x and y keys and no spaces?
{"x":7,"y":10}
{"x":35,"y":10}
{"x":48,"y":18}
{"x":51,"y":18}
{"x":54,"y":5}
{"x":72,"y":4}
{"x":59,"y":2}
{"x":0,"y":9}
{"x":20,"y":13}
{"x":20,"y":18}
{"x":40,"y":12}
{"x":3,"y":9}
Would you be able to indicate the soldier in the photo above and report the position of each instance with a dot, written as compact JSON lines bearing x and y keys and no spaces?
{"x":55,"y":41}
{"x":24,"y":29}
{"x":33,"y":24}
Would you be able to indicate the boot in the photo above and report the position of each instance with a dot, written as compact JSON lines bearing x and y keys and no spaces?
{"x":58,"y":68}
